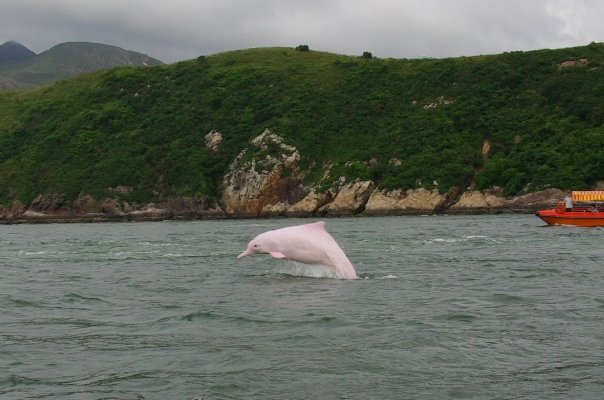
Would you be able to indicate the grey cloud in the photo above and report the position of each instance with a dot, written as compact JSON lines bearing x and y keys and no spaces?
{"x":183,"y":29}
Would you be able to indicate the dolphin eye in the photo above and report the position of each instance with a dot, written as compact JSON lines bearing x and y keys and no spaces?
{"x":255,"y":245}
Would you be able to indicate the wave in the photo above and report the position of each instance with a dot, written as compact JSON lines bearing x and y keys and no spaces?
{"x":241,"y":319}
{"x":76,"y":297}
{"x":374,"y":275}
{"x":76,"y":387}
{"x":205,"y":315}
{"x":506,"y":298}
{"x":181,"y":255}
{"x":76,"y":322}
{"x":457,"y":317}
{"x":14,"y":380}
{"x":462,"y":239}
{"x":196,"y":315}
{"x":33,"y":253}
{"x":159,"y":244}
{"x":26,"y":303}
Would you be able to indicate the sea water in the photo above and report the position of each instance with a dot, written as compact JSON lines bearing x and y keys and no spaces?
{"x":446,"y":307}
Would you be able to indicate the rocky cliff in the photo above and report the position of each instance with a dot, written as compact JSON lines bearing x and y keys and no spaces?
{"x":266,"y":180}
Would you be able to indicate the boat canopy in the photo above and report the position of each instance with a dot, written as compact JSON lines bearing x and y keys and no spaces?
{"x":588,"y":195}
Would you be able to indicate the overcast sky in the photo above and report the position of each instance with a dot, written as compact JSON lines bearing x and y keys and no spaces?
{"x":174,"y":30}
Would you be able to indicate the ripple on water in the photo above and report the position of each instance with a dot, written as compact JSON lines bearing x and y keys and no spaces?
{"x":446,"y":307}
{"x":78,"y":298}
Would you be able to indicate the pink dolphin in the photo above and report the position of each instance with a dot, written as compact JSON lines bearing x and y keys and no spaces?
{"x":309,"y":244}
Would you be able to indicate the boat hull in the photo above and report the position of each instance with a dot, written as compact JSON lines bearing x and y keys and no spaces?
{"x":576,"y":218}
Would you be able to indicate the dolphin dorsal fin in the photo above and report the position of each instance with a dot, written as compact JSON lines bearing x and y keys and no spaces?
{"x":317,"y":225}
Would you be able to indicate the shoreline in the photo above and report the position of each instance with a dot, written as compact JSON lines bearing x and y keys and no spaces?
{"x":50,"y":209}
{"x":92,"y":219}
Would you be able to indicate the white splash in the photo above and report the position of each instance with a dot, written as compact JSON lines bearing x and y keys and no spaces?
{"x":308,"y":270}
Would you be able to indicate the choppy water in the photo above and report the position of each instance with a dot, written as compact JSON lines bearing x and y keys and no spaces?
{"x":455,"y":307}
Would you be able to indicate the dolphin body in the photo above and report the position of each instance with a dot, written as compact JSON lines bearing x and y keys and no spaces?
{"x":308,"y":244}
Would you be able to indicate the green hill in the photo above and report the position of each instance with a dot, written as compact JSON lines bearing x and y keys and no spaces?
{"x":524,"y":121}
{"x":70,"y":59}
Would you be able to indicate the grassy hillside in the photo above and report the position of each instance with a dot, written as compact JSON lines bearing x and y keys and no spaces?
{"x":144,"y":128}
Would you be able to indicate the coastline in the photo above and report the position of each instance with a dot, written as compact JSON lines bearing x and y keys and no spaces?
{"x":54,"y":208}
{"x":40,"y":218}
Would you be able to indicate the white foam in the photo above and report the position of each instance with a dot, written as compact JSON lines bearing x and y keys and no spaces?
{"x":33,"y":253}
{"x":463,"y":239}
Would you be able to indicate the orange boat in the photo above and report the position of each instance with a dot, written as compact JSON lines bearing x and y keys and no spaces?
{"x":584,"y":208}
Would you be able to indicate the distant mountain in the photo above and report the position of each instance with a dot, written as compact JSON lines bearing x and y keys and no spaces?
{"x":11,"y":52}
{"x":69,"y":59}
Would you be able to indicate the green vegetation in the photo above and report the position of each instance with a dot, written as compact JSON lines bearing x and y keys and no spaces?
{"x":144,"y":128}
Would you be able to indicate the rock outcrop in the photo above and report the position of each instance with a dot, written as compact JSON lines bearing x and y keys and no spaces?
{"x":574,"y":63}
{"x":309,"y":205}
{"x":213,"y":140}
{"x":398,"y":202}
{"x":264,"y":179}
{"x":473,"y":201}
{"x":14,"y":211}
{"x":350,"y":199}
{"x":537,"y":200}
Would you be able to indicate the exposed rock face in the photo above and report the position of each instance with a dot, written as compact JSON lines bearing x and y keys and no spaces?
{"x":401,"y":202}
{"x":486,"y":149}
{"x":213,"y":140}
{"x":423,"y":199}
{"x":538,"y":200}
{"x":15,"y":211}
{"x":574,"y":63}
{"x":87,"y":205}
{"x":309,"y":205}
{"x":476,"y":201}
{"x":150,"y":213}
{"x":350,"y":199}
{"x":33,"y":215}
{"x":440,"y":101}
{"x":47,"y":203}
{"x":261,"y":177}
{"x":381,"y":202}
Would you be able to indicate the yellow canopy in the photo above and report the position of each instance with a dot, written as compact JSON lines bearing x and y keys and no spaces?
{"x":588,"y":195}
